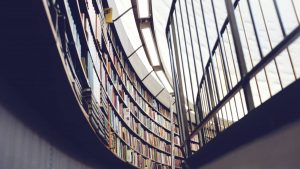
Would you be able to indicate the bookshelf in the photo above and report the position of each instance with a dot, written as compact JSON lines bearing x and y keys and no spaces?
{"x":122,"y":112}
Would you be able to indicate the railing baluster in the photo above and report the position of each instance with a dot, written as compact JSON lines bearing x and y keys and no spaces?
{"x":284,"y":35}
{"x":270,"y":41}
{"x":224,"y":92}
{"x":295,"y":11}
{"x":239,"y":53}
{"x":181,"y":63}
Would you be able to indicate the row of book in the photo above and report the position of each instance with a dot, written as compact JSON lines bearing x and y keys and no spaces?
{"x":126,"y":153}
{"x":97,"y":115}
{"x":94,"y":81}
{"x":151,"y":123}
{"x":195,"y":144}
{"x":178,"y":163}
{"x":73,"y":27}
{"x":134,"y":144}
{"x":153,"y":115}
{"x":147,"y":137}
{"x":137,"y":152}
{"x":195,"y":139}
{"x":98,"y":103}
{"x":176,"y":140}
{"x":123,"y":130}
{"x":177,"y":151}
{"x":160,"y":119}
{"x":164,"y":112}
{"x":195,"y":147}
{"x":91,"y":14}
{"x":175,"y":129}
{"x":96,"y":19}
{"x":135,"y":96}
{"x":74,"y":48}
{"x":99,"y":122}
{"x":175,"y":119}
{"x":70,"y":40}
{"x":103,"y":100}
{"x":137,"y":127}
{"x":115,"y":96}
{"x":129,"y":76}
{"x":151,"y":139}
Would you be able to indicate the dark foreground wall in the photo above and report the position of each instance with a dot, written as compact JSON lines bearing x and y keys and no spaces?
{"x":279,"y":150}
{"x":24,"y":146}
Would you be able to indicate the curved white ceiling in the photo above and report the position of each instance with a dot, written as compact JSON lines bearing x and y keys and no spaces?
{"x":160,"y":11}
{"x":129,"y":36}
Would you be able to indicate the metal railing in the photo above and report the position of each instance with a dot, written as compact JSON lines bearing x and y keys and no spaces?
{"x":255,"y":55}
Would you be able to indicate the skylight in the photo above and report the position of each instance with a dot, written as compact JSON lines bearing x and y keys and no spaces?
{"x":142,"y":55}
{"x":143,"y":8}
{"x":161,"y":75}
{"x":148,"y":38}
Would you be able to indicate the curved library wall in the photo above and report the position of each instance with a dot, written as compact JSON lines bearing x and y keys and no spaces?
{"x":124,"y":115}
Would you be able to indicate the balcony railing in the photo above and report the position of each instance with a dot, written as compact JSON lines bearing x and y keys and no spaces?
{"x":254,"y":56}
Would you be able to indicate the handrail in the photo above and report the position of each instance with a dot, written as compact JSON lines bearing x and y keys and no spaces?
{"x":211,"y":123}
{"x":260,"y":66}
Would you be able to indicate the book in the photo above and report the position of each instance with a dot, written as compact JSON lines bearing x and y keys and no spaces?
{"x":127,"y":115}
